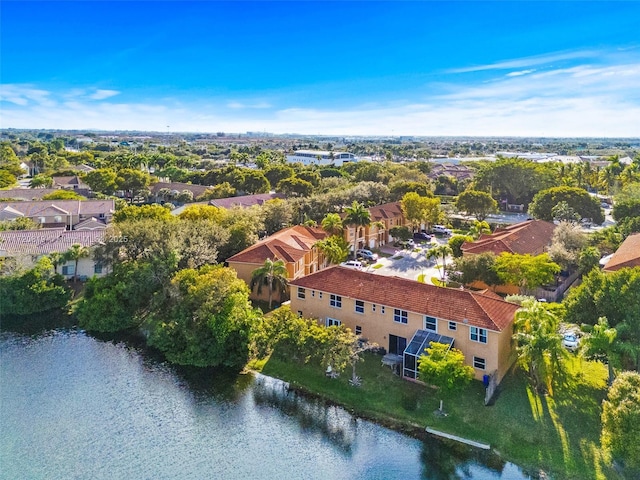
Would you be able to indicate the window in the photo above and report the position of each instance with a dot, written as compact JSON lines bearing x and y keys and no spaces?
{"x":335,"y":301}
{"x":301,"y":293}
{"x":299,"y":313}
{"x":313,"y":293}
{"x":332,"y":322}
{"x":359,"y":306}
{"x":42,"y":220}
{"x":430,"y":324}
{"x":68,"y":270}
{"x":58,"y":219}
{"x":479,"y":363}
{"x":358,"y":330}
{"x":478,"y":334}
{"x":97,"y":268}
{"x":373,"y":307}
{"x":382,"y":309}
{"x":320,"y":294}
{"x":400,"y":316}
{"x":453,"y":326}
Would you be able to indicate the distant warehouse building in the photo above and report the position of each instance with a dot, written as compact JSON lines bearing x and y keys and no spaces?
{"x":320,"y":157}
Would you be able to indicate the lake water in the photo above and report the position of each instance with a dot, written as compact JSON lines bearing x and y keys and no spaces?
{"x":76,"y":407}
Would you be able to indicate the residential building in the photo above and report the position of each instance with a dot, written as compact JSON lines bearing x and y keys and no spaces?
{"x":383,"y":218}
{"x":293,"y":245}
{"x":395,"y":312}
{"x":26,"y":247}
{"x":69,"y":214}
{"x":627,"y":255}
{"x":320,"y":157}
{"x":526,"y":238}
{"x":70,"y":183}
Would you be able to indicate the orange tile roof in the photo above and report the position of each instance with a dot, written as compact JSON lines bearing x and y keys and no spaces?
{"x":384,"y":211}
{"x":290,"y":245}
{"x":627,"y":255}
{"x":447,"y":303}
{"x":528,"y":237}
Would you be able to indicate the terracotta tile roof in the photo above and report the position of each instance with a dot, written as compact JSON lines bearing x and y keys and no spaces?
{"x":384,"y":211}
{"x":447,"y":303}
{"x":245,"y":200}
{"x":627,"y":255}
{"x":530,"y":237}
{"x":46,"y":240}
{"x":290,"y":245}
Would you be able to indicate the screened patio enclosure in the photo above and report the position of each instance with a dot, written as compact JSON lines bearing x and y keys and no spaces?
{"x":418,"y":344}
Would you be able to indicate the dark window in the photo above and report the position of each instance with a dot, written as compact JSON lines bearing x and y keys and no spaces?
{"x":359,"y":306}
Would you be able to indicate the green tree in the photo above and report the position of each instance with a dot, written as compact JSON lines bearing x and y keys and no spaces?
{"x":63,"y":195}
{"x":222,"y":190}
{"x":399,"y":189}
{"x":418,"y":210}
{"x":134,"y":182}
{"x":74,"y":254}
{"x":600,"y":344}
{"x":626,"y":209}
{"x":526,"y":271}
{"x":332,"y":224}
{"x":294,"y":187}
{"x":20,"y":223}
{"x":456,"y":242}
{"x":273,"y":274}
{"x":539,"y":345}
{"x":206,"y":320}
{"x":466,"y":270}
{"x":255,"y":182}
{"x":562,"y":212}
{"x":278,"y":214}
{"x":621,"y":420}
{"x":478,"y":228}
{"x":441,"y":251}
{"x":103,"y":180}
{"x":9,"y":161}
{"x":400,"y":233}
{"x":357,"y":216}
{"x":476,"y":203}
{"x":277,"y":172}
{"x":7,"y":179}
{"x":566,"y":244}
{"x":334,"y":248}
{"x":577,"y":199}
{"x":444,"y":367}
{"x":41,"y":181}
{"x":139,"y":212}
{"x":57,"y":259}
{"x":198,"y":212}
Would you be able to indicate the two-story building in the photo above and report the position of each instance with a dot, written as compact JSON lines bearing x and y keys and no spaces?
{"x":69,"y":214}
{"x":26,"y":247}
{"x":295,"y":246}
{"x":383,"y":218}
{"x":403,"y":316}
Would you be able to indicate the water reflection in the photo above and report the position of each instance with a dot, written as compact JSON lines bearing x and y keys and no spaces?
{"x":335,"y":424}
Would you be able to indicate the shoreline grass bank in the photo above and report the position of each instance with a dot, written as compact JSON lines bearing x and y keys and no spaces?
{"x":558,"y":436}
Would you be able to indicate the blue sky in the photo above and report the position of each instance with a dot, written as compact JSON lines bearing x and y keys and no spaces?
{"x":347,"y":68}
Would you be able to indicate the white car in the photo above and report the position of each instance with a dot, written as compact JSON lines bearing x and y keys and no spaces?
{"x":352,"y":264}
{"x":570,"y":341}
{"x":441,"y":229}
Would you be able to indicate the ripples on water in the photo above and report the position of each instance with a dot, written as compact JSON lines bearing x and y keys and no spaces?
{"x":73,"y":406}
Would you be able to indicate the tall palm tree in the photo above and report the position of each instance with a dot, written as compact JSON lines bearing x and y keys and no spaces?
{"x":273,"y":274}
{"x":357,"y":216}
{"x":334,"y":248}
{"x":74,"y":254}
{"x":538,"y":344}
{"x":332,"y":224}
{"x":56,"y":259}
{"x":441,"y":251}
{"x":478,"y":228}
{"x":600,"y":343}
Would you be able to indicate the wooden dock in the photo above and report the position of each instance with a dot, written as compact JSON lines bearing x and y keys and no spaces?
{"x":438,"y":433}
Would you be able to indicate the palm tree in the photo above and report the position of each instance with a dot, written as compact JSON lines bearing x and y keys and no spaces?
{"x":600,"y":343}
{"x":56,"y":259}
{"x":538,"y":344}
{"x":75,"y":253}
{"x":357,"y":216}
{"x":478,"y":228}
{"x":335,"y":249}
{"x":273,"y":274}
{"x":332,"y":224}
{"x":441,"y":251}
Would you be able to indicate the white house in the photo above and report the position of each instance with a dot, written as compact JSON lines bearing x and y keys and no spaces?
{"x":321,"y":157}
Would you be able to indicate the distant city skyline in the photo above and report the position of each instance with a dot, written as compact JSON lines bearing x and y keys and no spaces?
{"x":544,"y":69}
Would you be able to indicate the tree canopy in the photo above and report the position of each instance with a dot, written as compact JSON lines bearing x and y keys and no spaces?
{"x":476,"y":203}
{"x":578,"y":199}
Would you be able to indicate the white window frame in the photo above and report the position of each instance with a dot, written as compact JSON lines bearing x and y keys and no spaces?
{"x":358,"y":330}
{"x":332,"y":322}
{"x":453,"y":326}
{"x":335,"y":301}
{"x":477,"y":361}
{"x":479,"y":334}
{"x":429,"y":318}
{"x":359,"y":306}
{"x":400,"y":316}
{"x":302,"y":293}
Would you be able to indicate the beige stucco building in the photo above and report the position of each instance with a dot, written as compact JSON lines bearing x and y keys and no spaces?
{"x":390,"y":311}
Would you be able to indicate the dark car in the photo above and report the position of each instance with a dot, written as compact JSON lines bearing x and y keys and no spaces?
{"x":421,"y":237}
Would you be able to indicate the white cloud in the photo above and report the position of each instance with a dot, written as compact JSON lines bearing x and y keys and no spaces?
{"x":521,"y":72}
{"x":24,"y":95}
{"x":103,"y":94}
{"x":242,"y":105}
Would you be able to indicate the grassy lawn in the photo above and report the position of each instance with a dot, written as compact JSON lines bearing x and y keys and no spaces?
{"x":559,"y":434}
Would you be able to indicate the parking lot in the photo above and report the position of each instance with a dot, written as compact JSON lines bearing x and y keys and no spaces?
{"x":409,"y":263}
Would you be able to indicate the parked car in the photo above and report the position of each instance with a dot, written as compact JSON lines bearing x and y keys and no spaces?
{"x":352,"y":264}
{"x":570,"y":341}
{"x":441,"y":230}
{"x":421,"y":237}
{"x":367,"y":255}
